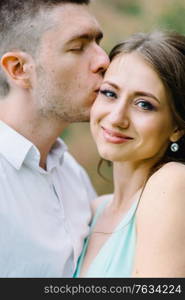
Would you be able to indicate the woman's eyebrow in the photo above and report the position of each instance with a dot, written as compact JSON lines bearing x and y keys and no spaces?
{"x":112,"y":84}
{"x":136,"y":93}
{"x":146,"y":94}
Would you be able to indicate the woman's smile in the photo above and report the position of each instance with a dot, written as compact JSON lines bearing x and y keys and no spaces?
{"x":114,"y":137}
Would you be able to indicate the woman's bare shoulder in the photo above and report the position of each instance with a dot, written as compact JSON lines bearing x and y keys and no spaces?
{"x":172,"y":166}
{"x":164,"y":192}
{"x":161,"y":225}
{"x":170,"y":173}
{"x":99,"y":200}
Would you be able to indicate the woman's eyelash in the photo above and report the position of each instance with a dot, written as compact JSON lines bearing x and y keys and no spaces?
{"x":108,"y":93}
{"x":146,"y":105}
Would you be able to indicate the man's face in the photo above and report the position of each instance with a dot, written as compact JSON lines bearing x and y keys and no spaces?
{"x":70,"y":65}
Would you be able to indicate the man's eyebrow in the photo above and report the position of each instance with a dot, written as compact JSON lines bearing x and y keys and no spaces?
{"x":97,"y":36}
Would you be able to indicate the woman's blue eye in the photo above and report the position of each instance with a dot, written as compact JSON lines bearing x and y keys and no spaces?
{"x":108,"y":93}
{"x":145,"y":105}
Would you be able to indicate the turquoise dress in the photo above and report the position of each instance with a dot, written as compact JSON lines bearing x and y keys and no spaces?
{"x":115,"y":258}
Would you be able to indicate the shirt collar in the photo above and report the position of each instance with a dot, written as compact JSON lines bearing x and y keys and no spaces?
{"x":56,"y":154}
{"x":17,"y":149}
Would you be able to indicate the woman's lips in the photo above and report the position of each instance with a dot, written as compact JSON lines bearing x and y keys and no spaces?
{"x":115,"y":137}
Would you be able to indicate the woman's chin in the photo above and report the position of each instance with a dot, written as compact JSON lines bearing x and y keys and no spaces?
{"x":113,"y":156}
{"x":109,"y":155}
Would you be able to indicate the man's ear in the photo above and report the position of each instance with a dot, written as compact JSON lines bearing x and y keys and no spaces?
{"x":17,"y":67}
{"x":177,"y":134}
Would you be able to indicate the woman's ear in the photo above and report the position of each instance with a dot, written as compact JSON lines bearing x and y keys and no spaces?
{"x":16,"y":67}
{"x":177,"y":134}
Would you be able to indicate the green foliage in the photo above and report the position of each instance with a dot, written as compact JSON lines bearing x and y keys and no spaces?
{"x":129,"y":7}
{"x":173,"y":19}
{"x":65,"y":134}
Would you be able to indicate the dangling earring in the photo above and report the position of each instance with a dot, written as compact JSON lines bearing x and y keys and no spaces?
{"x":174,"y":147}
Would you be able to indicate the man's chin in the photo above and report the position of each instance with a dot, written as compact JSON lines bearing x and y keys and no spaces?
{"x":83,"y":117}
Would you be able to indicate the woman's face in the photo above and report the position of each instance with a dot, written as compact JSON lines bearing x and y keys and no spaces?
{"x":131,"y":119}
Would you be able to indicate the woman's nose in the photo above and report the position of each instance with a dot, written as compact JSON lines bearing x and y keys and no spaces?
{"x":119,"y":117}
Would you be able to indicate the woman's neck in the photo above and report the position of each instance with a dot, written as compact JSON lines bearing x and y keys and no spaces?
{"x":129,"y":180}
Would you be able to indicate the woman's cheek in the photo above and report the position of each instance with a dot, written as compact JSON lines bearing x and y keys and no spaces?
{"x":95,"y":112}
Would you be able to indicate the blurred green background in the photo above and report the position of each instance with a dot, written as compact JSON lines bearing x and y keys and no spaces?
{"x":119,"y":19}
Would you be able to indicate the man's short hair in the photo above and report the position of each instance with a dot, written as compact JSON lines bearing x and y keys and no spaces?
{"x":22,"y":23}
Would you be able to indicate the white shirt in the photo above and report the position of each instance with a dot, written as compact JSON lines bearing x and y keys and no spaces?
{"x":44,"y":215}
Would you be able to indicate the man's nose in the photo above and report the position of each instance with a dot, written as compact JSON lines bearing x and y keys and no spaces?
{"x":100,"y":61}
